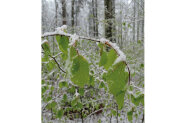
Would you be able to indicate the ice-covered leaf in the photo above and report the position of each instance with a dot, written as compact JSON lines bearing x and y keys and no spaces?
{"x":46,"y":47}
{"x":92,"y":80}
{"x":63,"y":42}
{"x":107,"y":58}
{"x":130,"y":115}
{"x":81,"y":91}
{"x":59,"y":114}
{"x":80,"y":71}
{"x":137,"y":100}
{"x":117,"y":80}
{"x":63,"y":84}
{"x":73,"y":53}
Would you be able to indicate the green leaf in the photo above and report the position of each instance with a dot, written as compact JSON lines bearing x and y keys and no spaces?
{"x":52,"y":88}
{"x":137,"y":100}
{"x":81,"y":91}
{"x":142,"y":65}
{"x":92,"y":80}
{"x":49,"y":98}
{"x":107,"y":59}
{"x":65,"y":97}
{"x":63,"y":42}
{"x":74,"y":102}
{"x":46,"y":48}
{"x":103,"y":59}
{"x":80,"y":71}
{"x":53,"y":104}
{"x":79,"y":105}
{"x":63,"y":84}
{"x":44,"y":88}
{"x":117,"y":80}
{"x":114,"y":112}
{"x":72,"y":90}
{"x":130,"y":115}
{"x":73,"y":53}
{"x":59,"y":114}
{"x":50,"y":66}
{"x":99,"y":121}
{"x":101,"y":85}
{"x":64,"y":56}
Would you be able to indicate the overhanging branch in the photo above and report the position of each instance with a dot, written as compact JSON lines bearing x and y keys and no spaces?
{"x":107,"y":42}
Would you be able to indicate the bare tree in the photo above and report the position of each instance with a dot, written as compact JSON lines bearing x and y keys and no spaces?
{"x":134,"y":15}
{"x":64,"y":12}
{"x":72,"y":15}
{"x":109,"y":18}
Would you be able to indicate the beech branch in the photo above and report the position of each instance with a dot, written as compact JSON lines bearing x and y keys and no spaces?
{"x":57,"y":63}
{"x":110,"y":44}
{"x":53,"y":57}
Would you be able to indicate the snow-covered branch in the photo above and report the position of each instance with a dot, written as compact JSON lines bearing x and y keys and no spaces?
{"x":73,"y":38}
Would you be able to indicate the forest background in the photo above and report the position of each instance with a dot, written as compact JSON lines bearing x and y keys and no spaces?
{"x":172,"y":22}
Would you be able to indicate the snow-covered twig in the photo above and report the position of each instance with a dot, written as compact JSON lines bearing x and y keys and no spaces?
{"x":56,"y":62}
{"x":60,"y":31}
{"x":94,"y":112}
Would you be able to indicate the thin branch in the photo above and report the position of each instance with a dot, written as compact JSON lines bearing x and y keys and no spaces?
{"x":95,"y":112}
{"x":86,"y":38}
{"x":57,"y":63}
{"x":53,"y":57}
{"x":57,"y":54}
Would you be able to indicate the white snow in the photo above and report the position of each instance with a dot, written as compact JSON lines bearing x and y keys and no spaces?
{"x":103,"y":40}
{"x":121,"y":57}
{"x":73,"y":39}
{"x":76,"y":94}
{"x":62,"y":28}
{"x":43,"y":41}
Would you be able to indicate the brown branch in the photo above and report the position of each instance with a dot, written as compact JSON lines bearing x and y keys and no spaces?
{"x":57,"y":63}
{"x":86,"y":38}
{"x":53,"y":57}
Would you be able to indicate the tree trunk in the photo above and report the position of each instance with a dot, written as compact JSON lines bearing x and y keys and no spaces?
{"x":56,"y":6}
{"x":113,"y":22}
{"x":72,"y":16}
{"x":96,"y":18}
{"x":138,"y":22}
{"x":108,"y":18}
{"x":93,"y":18}
{"x":134,"y":28}
{"x":64,"y":12}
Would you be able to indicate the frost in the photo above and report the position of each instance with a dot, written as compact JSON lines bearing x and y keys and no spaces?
{"x":61,"y":29}
{"x":43,"y":41}
{"x":73,"y":39}
{"x":76,"y":94}
{"x":67,"y":64}
{"x":122,"y":56}
{"x":103,"y":40}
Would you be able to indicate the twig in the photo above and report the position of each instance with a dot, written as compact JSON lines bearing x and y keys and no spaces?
{"x":95,"y":112}
{"x":86,"y":38}
{"x":57,"y":63}
{"x":53,"y":57}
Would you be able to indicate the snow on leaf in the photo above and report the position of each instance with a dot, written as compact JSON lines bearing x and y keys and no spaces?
{"x":130,"y":115}
{"x":44,"y":41}
{"x":107,"y":59}
{"x":103,"y":40}
{"x":61,"y":29}
{"x":73,"y":39}
{"x":76,"y":93}
{"x":117,"y":80}
{"x":63,"y":42}
{"x":80,"y":71}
